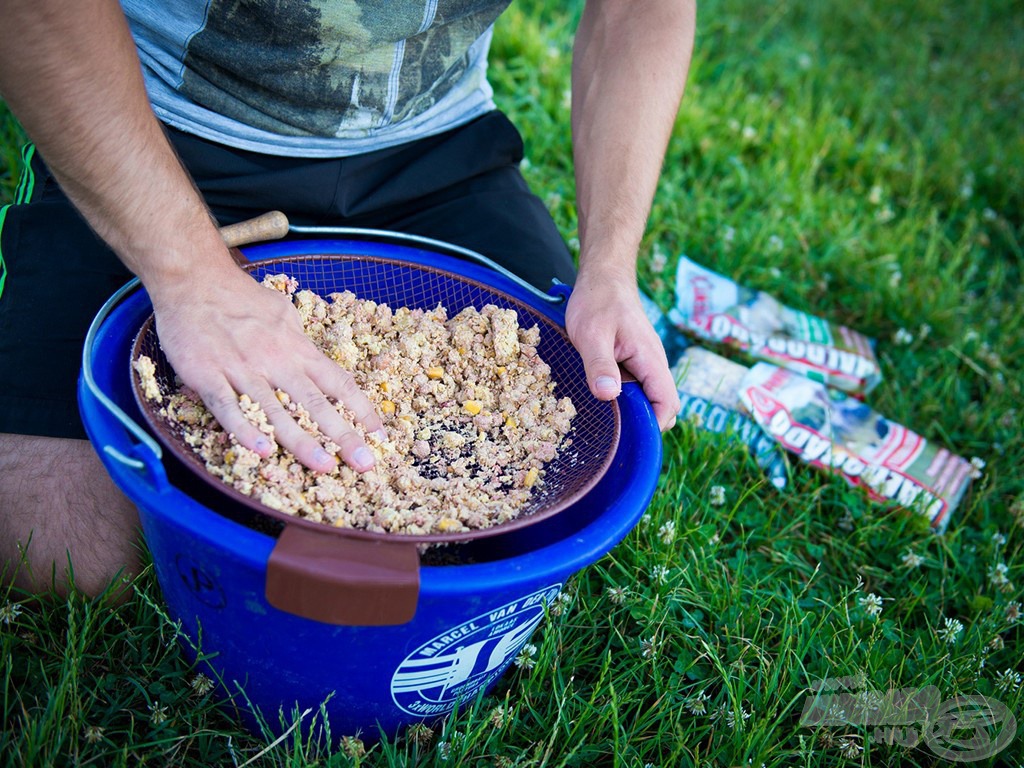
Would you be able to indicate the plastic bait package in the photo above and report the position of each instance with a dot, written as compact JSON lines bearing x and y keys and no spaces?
{"x":716,"y":309}
{"x":708,"y":387}
{"x":673,"y":341}
{"x":830,"y":430}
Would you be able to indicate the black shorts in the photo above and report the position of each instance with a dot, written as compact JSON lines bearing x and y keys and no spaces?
{"x":463,"y":187}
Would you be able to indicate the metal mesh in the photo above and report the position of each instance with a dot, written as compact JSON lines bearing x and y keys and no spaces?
{"x":595,"y":429}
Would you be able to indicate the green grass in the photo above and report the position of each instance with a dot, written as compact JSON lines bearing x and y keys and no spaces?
{"x":861,"y":160}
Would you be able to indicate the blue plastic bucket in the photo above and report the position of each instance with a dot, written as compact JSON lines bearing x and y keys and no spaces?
{"x":470,"y":621}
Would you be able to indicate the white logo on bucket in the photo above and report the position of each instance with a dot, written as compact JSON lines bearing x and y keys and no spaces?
{"x":457,"y":664}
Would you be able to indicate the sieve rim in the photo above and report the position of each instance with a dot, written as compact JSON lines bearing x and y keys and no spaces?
{"x":170,"y":438}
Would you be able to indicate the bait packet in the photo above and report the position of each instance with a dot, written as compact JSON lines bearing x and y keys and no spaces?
{"x":717,"y":309}
{"x":708,"y":387}
{"x":835,"y":432}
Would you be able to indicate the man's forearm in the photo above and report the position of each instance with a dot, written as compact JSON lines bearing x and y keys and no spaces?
{"x":70,"y":74}
{"x":630,"y":64}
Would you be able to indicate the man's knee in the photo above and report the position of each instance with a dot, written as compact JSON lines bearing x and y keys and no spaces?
{"x":57,"y":504}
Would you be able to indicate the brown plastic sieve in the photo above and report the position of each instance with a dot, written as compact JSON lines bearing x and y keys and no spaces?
{"x":398,"y":282}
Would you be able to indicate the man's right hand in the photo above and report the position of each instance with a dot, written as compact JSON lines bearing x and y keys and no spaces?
{"x":235,"y":336}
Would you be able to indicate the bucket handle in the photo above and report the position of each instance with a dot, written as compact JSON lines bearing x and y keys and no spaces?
{"x":555,"y":297}
{"x":143,"y":437}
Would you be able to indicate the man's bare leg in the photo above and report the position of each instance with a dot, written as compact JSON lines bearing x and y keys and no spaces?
{"x":57,"y":491}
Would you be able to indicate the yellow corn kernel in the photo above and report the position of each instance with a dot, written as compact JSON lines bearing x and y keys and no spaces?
{"x":229,"y":456}
{"x":500,"y":370}
{"x":473,"y":407}
{"x":435,"y":372}
{"x":384,"y":386}
{"x":511,"y":423}
{"x":446,"y":524}
{"x":282,"y":396}
{"x":531,"y":477}
{"x":387,"y":407}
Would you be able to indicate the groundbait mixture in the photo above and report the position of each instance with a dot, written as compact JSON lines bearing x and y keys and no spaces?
{"x":469,"y":410}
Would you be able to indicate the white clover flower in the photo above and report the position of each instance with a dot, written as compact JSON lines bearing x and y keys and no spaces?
{"x":716,"y":496}
{"x":775,"y":244}
{"x":618,"y":595}
{"x":92,"y":733}
{"x":697,"y":705}
{"x":645,"y":521}
{"x":1008,"y":680}
{"x":201,"y":684}
{"x":749,"y":133}
{"x":995,"y":644}
{"x":560,"y":604}
{"x":10,"y":612}
{"x":648,"y":647}
{"x":524,"y":661}
{"x":729,"y":234}
{"x":911,"y":559}
{"x":659,"y":574}
{"x":884,"y":214}
{"x":871,"y":603}
{"x":997,"y":575}
{"x":998,"y":539}
{"x":977,"y":466}
{"x":989,"y":215}
{"x":732,"y":718}
{"x":875,"y":195}
{"x":903,"y":337}
{"x":924,"y":331}
{"x":352,"y":746}
{"x":574,"y":244}
{"x":157,"y":713}
{"x":804,"y":61}
{"x":1013,"y":611}
{"x":444,"y":750}
{"x":499,"y":716}
{"x":525,"y":658}
{"x":667,"y":532}
{"x":849,"y":749}
{"x":950,"y":631}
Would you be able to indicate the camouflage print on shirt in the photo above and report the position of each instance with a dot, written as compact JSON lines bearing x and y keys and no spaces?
{"x":318,"y":67}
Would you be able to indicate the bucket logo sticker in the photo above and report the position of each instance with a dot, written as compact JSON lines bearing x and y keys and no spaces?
{"x":456,"y":665}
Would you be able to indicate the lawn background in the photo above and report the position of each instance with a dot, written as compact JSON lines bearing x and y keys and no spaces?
{"x":863,"y":160}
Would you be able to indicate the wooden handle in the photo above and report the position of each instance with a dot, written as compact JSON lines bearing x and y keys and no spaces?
{"x":269,"y":226}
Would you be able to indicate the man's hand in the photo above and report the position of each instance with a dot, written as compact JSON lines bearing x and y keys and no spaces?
{"x":607,"y":324}
{"x":235,"y":336}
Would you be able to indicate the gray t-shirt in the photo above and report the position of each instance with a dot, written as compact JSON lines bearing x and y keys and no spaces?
{"x":315,"y":78}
